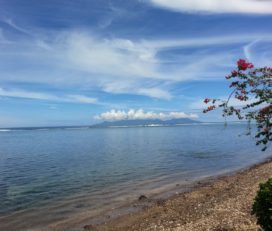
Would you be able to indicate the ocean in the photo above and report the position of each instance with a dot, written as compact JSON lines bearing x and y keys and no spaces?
{"x":57,"y":175}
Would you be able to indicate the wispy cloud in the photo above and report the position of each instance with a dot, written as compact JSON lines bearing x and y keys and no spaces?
{"x":48,"y":97}
{"x":140,"y":114}
{"x":217,"y":6}
{"x":205,"y":41}
{"x":137,"y":88}
{"x":247,"y":49}
{"x":155,"y":93}
{"x":10,"y":23}
{"x":117,"y":57}
{"x":200,"y":105}
{"x":259,"y":52}
{"x":119,"y":65}
{"x":125,"y":54}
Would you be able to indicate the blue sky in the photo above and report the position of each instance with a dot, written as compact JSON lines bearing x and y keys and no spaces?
{"x":65,"y":62}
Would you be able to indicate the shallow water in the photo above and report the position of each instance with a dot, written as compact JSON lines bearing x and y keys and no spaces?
{"x":49,"y":175}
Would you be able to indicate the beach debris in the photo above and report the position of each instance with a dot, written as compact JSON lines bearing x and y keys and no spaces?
{"x":88,"y":227}
{"x":142,"y":198}
{"x":161,"y":202}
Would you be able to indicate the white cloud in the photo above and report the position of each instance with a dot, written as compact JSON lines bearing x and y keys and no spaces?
{"x":9,"y":22}
{"x":259,"y":46}
{"x":45,"y":96}
{"x":81,"y":99}
{"x":247,"y":49}
{"x":204,"y":41}
{"x":120,"y":66}
{"x":217,"y":6}
{"x":116,"y":57}
{"x":133,"y":87}
{"x":140,"y":114}
{"x":155,"y":93}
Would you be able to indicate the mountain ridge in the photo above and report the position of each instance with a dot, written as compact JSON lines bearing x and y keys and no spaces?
{"x":146,"y":122}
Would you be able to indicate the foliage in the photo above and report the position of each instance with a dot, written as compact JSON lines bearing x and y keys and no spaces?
{"x":262,"y":206}
{"x":253,"y":87}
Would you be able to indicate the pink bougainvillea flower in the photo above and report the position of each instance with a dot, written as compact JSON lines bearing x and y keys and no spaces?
{"x":234,"y":73}
{"x":206,"y":100}
{"x":244,"y":65}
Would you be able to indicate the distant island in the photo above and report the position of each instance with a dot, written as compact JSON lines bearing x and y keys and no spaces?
{"x":146,"y":123}
{"x":123,"y":123}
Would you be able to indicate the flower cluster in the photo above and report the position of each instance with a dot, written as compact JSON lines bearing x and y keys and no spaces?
{"x":248,"y":84}
{"x":266,"y":109}
{"x":210,"y":108}
{"x":206,"y":100}
{"x":244,"y":65}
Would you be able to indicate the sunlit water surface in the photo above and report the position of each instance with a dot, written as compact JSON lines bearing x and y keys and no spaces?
{"x":50,"y":175}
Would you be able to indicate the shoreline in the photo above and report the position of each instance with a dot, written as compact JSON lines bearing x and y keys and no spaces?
{"x":221,"y":202}
{"x":172,"y":208}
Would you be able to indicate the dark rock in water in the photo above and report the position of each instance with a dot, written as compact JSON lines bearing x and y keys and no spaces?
{"x":142,"y":198}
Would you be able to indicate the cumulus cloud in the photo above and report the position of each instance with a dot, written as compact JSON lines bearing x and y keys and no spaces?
{"x":17,"y":93}
{"x":140,"y":114}
{"x":217,"y":6}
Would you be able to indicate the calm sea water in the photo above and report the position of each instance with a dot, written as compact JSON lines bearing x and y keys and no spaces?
{"x":50,"y":175}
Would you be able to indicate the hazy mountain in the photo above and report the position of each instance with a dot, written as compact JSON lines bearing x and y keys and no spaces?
{"x":147,"y":122}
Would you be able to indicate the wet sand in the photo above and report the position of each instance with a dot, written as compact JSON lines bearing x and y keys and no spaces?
{"x":221,"y":204}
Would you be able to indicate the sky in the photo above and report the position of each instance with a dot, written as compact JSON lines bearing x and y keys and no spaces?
{"x":66,"y":62}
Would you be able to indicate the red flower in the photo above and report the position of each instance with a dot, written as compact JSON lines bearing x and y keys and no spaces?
{"x":206,"y":100}
{"x":266,"y":109}
{"x":228,"y":76}
{"x":234,"y":84}
{"x":244,"y":65}
{"x":250,"y":65}
{"x":243,"y":91}
{"x":240,"y":97}
{"x":234,"y":73}
{"x":210,"y":108}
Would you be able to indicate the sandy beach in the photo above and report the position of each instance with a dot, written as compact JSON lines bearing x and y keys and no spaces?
{"x":221,"y":204}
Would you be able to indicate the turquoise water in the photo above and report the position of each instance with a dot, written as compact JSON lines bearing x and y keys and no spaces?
{"x":62,"y":172}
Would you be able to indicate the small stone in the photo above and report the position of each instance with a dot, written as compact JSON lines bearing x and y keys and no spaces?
{"x":161,"y":202}
{"x":88,"y":227}
{"x":142,"y":197}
